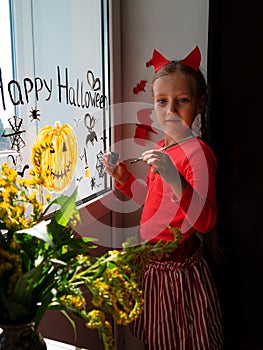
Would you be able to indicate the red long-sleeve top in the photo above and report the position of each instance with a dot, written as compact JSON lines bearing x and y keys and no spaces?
{"x":196,"y":210}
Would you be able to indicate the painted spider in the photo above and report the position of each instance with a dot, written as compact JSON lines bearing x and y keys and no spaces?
{"x":34,"y":114}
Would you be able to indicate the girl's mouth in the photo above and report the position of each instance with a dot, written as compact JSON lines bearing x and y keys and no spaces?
{"x":172,"y":120}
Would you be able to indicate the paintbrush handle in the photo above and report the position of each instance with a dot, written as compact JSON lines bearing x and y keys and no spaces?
{"x":165,"y":147}
{"x":162,"y":149}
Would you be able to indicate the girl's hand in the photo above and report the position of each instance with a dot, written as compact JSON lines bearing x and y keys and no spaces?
{"x":161,"y":164}
{"x":118,"y":171}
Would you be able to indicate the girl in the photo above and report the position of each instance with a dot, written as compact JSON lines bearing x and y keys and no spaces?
{"x":181,"y":309}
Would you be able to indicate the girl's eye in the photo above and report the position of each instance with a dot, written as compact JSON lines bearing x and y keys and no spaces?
{"x":161,"y":101}
{"x":183,"y":100}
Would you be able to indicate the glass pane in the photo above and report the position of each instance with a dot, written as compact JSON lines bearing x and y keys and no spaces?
{"x":61,"y":78}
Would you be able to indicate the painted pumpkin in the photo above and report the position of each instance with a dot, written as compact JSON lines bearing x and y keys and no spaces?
{"x":57,"y":164}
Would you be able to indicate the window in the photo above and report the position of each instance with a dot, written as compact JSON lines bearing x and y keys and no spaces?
{"x":60,"y":77}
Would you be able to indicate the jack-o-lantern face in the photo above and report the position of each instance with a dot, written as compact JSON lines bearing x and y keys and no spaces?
{"x":59,"y":163}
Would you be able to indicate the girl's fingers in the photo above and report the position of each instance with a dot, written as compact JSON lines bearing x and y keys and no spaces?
{"x":108,"y":170}
{"x":154,"y":157}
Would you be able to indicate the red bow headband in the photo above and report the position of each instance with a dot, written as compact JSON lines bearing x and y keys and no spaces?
{"x":192,"y":60}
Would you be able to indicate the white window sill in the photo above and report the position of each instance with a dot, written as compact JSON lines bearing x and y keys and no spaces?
{"x":56,"y":345}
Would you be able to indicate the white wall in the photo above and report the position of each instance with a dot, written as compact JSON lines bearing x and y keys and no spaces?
{"x":173,"y":27}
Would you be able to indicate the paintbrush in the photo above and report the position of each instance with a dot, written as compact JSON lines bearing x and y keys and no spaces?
{"x":162,"y":149}
{"x":159,"y":149}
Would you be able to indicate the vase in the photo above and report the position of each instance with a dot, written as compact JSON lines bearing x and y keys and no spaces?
{"x":21,"y":337}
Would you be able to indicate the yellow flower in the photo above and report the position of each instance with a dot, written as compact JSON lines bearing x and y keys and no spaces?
{"x":4,"y":206}
{"x":113,"y":252}
{"x":9,"y":173}
{"x":18,"y":210}
{"x":76,"y":301}
{"x":96,"y":319}
{"x":3,"y":182}
{"x":9,"y":193}
{"x":48,"y":197}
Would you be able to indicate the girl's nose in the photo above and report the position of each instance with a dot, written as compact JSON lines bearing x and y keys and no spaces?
{"x":172,"y":108}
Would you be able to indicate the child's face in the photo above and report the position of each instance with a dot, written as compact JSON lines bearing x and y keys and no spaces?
{"x":176,"y":103}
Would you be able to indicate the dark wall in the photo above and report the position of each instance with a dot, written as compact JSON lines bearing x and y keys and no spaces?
{"x":235,"y":59}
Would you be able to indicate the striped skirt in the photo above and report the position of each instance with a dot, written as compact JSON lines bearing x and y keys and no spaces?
{"x":181,"y":310}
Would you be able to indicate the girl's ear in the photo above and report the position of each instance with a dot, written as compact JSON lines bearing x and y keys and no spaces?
{"x":201,"y":104}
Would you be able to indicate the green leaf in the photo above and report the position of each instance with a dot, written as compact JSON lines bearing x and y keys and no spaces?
{"x":26,"y":284}
{"x":60,"y":201}
{"x":46,"y":298}
{"x":71,"y":321}
{"x":100,"y":271}
{"x":63,"y":215}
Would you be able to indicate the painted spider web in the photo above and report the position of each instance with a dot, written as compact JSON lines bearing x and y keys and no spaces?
{"x":16,"y":134}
